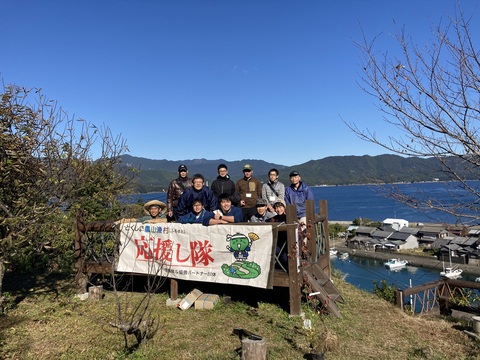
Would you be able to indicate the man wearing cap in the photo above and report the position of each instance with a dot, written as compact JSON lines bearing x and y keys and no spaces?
{"x":155,"y":211}
{"x":223,"y":184}
{"x":273,"y":189}
{"x":298,"y":193}
{"x":262,"y":214}
{"x":197,"y":191}
{"x":175,"y":190}
{"x":249,"y":190}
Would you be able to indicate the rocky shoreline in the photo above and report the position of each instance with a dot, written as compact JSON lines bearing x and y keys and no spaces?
{"x":419,"y":261}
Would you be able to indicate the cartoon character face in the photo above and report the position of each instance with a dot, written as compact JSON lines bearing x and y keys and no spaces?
{"x":238,"y":242}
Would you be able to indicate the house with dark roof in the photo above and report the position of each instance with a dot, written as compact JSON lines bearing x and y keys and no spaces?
{"x":427,"y":235}
{"x":365,"y":230}
{"x":381,"y":234}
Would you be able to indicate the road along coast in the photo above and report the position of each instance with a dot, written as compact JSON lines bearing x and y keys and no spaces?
{"x":419,"y":261}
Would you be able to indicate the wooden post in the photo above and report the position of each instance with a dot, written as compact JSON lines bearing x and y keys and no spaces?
{"x":95,"y":292}
{"x":254,"y":349}
{"x":173,"y":289}
{"x":399,"y":299}
{"x":326,"y":236}
{"x":293,"y":253}
{"x":310,"y":223}
{"x":79,"y":255}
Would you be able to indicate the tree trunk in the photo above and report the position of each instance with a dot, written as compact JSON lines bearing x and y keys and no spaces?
{"x":2,"y":273}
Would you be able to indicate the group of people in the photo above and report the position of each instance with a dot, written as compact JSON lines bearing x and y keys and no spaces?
{"x":189,"y":200}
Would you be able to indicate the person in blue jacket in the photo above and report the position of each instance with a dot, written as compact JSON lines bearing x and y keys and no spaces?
{"x":197,"y":191}
{"x":227,"y":213}
{"x":197,"y":216}
{"x":298,"y":193}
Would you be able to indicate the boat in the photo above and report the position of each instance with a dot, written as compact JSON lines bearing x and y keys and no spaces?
{"x":395,"y":264}
{"x":451,"y":272}
{"x":333,"y":252}
{"x":343,"y":256}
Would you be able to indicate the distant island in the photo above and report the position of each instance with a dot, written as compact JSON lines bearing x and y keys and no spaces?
{"x":155,"y":175}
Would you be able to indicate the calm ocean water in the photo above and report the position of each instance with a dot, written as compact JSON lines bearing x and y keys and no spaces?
{"x":347,"y":203}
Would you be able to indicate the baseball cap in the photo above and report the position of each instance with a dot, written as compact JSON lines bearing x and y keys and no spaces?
{"x":261,"y":202}
{"x":247,"y":167}
{"x":182,"y":168}
{"x":294,"y":173}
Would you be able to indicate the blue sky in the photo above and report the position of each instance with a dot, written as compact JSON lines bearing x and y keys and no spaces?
{"x":236,"y":80}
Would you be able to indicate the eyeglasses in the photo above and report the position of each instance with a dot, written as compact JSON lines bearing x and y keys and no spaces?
{"x":183,"y":171}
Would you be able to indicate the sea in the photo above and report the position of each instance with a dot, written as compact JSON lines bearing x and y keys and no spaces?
{"x":349,"y":202}
{"x":346,"y":203}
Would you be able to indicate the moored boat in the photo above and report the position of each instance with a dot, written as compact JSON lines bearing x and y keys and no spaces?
{"x":333,"y":252}
{"x":395,"y":264}
{"x":451,"y":272}
{"x":343,"y":256}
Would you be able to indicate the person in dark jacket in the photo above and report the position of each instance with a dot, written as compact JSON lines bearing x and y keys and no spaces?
{"x":197,"y":216}
{"x":197,"y":191}
{"x":281,"y":247}
{"x":280,"y":216}
{"x":224,"y":185}
{"x":175,"y":190}
{"x":226,"y":213}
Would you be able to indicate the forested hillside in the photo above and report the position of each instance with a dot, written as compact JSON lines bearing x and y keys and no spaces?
{"x":335,"y":170}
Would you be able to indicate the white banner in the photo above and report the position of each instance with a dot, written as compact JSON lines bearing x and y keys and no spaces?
{"x":230,"y":254}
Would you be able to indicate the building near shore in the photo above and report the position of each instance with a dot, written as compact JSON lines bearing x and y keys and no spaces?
{"x":395,"y":224}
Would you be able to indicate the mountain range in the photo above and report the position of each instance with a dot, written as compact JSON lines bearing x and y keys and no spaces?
{"x":155,"y":175}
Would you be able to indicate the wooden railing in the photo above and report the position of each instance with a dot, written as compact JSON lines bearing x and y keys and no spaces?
{"x":96,"y":247}
{"x":443,"y":293}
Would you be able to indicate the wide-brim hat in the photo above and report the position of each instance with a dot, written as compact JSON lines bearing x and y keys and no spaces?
{"x":163,"y":206}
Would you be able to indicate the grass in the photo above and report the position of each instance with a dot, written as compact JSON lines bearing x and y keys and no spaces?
{"x":48,"y":322}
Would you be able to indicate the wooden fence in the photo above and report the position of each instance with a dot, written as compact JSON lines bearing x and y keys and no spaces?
{"x":96,"y":250}
{"x":443,"y":293}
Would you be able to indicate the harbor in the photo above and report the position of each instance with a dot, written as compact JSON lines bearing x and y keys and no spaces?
{"x":364,"y":268}
{"x":430,"y":262}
